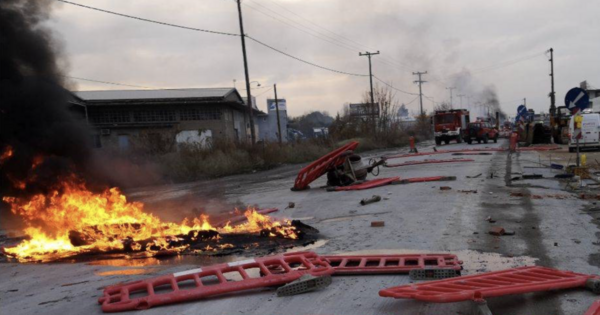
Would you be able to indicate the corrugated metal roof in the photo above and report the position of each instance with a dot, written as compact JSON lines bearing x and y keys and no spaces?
{"x":153,"y":94}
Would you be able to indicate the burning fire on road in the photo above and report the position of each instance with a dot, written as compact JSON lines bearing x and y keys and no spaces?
{"x":71,"y":220}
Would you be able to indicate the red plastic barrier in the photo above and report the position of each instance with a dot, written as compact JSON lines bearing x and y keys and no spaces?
{"x":444,"y":152}
{"x":411,"y":141}
{"x":188,"y":285}
{"x":514,"y":138}
{"x":318,"y":168}
{"x":369,"y":184}
{"x":490,"y":284}
{"x":594,"y":309}
{"x":427,"y":162}
{"x":425,"y":179}
{"x":242,"y":218}
{"x":391,"y":264}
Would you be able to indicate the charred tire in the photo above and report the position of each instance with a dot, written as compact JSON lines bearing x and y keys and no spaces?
{"x":438,"y":141}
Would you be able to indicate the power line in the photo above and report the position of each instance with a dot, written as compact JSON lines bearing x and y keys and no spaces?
{"x":106,"y":82}
{"x":392,"y":87}
{"x":270,"y":88}
{"x":148,"y":20}
{"x":346,"y":43}
{"x":506,"y":63}
{"x":221,"y":33}
{"x":304,"y":61}
{"x":301,"y":27}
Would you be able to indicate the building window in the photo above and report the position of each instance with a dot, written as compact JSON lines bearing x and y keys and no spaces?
{"x":109,"y":116}
{"x":154,"y":115}
{"x":200,"y":114}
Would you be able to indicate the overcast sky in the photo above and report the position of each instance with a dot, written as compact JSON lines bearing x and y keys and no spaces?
{"x":467,"y":44}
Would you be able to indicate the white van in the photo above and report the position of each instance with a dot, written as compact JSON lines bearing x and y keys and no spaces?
{"x":590,"y":131}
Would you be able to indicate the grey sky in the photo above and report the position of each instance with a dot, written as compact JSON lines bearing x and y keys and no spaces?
{"x":449,"y":39}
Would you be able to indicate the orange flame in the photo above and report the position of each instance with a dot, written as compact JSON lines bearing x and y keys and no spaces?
{"x":107,"y":221}
{"x":7,"y":154}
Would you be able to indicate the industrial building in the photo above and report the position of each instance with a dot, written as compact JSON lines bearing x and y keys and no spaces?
{"x":125,"y":118}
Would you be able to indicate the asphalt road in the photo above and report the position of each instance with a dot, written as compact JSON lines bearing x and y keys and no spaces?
{"x":555,"y":230}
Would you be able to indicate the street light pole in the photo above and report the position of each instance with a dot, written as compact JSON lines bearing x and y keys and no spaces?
{"x":248,"y":93}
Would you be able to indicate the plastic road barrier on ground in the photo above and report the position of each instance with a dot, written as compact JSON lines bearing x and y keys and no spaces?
{"x":491,"y":284}
{"x":212,"y":280}
{"x":428,"y":162}
{"x":594,"y":309}
{"x":425,"y":179}
{"x":391,"y":264}
{"x":368,"y":184}
{"x":318,"y":168}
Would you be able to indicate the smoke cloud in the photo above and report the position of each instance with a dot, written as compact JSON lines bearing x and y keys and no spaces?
{"x":40,"y":139}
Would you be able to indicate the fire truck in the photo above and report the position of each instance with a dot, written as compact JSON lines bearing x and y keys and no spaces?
{"x":448,"y":125}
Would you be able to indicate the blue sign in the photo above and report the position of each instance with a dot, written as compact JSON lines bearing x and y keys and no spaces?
{"x":522,"y":113}
{"x":577,"y":99}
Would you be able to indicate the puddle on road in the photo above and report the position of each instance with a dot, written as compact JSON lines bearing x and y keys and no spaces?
{"x":473,"y":261}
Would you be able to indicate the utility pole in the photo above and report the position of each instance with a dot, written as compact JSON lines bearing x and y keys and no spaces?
{"x":552,"y":95}
{"x":420,"y":82}
{"x":450,"y":89}
{"x":525,"y":101}
{"x":277,"y":112}
{"x":369,"y":54}
{"x":248,"y":93}
{"x":461,"y":97}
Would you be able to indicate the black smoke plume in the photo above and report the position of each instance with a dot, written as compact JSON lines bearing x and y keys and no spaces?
{"x":36,"y":122}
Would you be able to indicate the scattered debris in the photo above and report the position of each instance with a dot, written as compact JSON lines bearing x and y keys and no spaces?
{"x":373,"y":199}
{"x":532,"y":176}
{"x":475,"y":176}
{"x":445,"y":188}
{"x":489,"y":219}
{"x":377,"y":223}
{"x":468,"y":191}
{"x":557,"y":166}
{"x":497,"y":231}
{"x":291,"y":205}
{"x":306,"y":283}
{"x":508,"y":232}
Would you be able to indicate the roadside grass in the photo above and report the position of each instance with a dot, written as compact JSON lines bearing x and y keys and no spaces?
{"x":185,"y":163}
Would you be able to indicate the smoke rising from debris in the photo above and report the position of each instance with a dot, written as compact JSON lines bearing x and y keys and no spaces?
{"x":45,"y":140}
{"x":481,"y":100}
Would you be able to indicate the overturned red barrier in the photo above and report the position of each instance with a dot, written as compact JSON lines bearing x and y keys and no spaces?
{"x":425,"y":179}
{"x":367,"y":185}
{"x":428,"y":162}
{"x":541,"y":148}
{"x":492,"y":284}
{"x":318,"y":168}
{"x":211,"y":281}
{"x":594,"y":309}
{"x":391,"y":264}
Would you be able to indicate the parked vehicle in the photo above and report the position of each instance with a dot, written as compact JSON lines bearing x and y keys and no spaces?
{"x":481,"y":131}
{"x":590,"y":135}
{"x":560,"y":127}
{"x":449,"y":124}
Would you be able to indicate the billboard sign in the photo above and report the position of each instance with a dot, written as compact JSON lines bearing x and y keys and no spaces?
{"x":281,"y":102}
{"x":364,"y":110}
